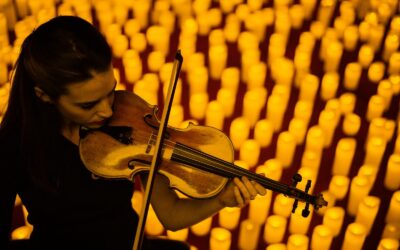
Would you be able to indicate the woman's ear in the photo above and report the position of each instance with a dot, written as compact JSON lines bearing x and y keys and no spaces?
{"x":42,"y":95}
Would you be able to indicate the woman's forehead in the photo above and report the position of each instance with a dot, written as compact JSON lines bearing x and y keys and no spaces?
{"x":94,"y":88}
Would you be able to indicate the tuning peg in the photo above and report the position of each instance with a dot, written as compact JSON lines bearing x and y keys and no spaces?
{"x":294,"y":206}
{"x":306,"y":211}
{"x":296,"y":179}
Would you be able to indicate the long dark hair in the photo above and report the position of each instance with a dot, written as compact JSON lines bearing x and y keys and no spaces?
{"x":62,"y":51}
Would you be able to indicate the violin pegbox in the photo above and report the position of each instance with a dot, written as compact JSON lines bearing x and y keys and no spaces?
{"x":296,"y":179}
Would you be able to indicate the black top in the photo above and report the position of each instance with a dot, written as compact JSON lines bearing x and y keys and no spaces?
{"x":83,"y":213}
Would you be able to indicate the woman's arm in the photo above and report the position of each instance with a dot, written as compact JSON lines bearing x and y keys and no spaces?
{"x":176,"y":213}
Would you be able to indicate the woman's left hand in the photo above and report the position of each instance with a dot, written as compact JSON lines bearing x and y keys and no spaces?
{"x":239,"y":192}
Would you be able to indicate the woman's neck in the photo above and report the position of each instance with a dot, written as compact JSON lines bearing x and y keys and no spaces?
{"x":71,"y":132}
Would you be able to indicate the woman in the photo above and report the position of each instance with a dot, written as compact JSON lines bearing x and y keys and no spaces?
{"x":64,"y":80}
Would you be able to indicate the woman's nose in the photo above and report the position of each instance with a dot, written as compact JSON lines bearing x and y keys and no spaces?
{"x":105,"y":109}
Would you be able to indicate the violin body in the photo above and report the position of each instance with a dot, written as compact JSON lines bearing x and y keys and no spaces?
{"x":125,"y":147}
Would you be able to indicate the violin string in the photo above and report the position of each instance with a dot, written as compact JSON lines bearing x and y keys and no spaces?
{"x":207,"y":161}
{"x":223,"y":165}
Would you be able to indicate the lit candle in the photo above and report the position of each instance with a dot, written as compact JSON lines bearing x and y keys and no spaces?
{"x":389,"y":129}
{"x":202,"y":228}
{"x":370,"y":172}
{"x":282,"y":91}
{"x":272,"y":168}
{"x":155,"y":60}
{"x":366,"y":55}
{"x":283,"y":70}
{"x":286,"y":148}
{"x":350,"y":37}
{"x":329,"y":85}
{"x":263,"y":132}
{"x":359,"y":188}
{"x":198,"y":103}
{"x":376,"y":107}
{"x":391,"y":45}
{"x":327,"y":122}
{"x":391,"y":231}
{"x":321,"y":238}
{"x":308,"y":88}
{"x":347,"y":103}
{"x":367,"y":211}
{"x":153,"y":225}
{"x":311,"y":160}
{"x":298,"y":128}
{"x":364,"y":30}
{"x":131,"y":27}
{"x":259,"y":208}
{"x":375,"y":36}
{"x":297,"y":242}
{"x":388,"y":244}
{"x":229,"y":217}
{"x":344,"y":155}
{"x":297,"y":13}
{"x":351,"y":124}
{"x":315,"y":140}
{"x":393,"y":212}
{"x":230,"y":78}
{"x":256,"y":75}
{"x":140,"y":12}
{"x":275,"y":111}
{"x":249,"y":58}
{"x":392,"y":180}
{"x":217,"y":55}
{"x":318,"y":29}
{"x":220,"y":239}
{"x":375,"y":149}
{"x":226,"y":97}
{"x":376,"y":127}
{"x":309,"y":6}
{"x":386,"y":91}
{"x":333,"y":218}
{"x":276,"y":246}
{"x":338,"y":186}
{"x":195,"y":60}
{"x":334,"y":53}
{"x":303,"y":110}
{"x":395,"y":81}
{"x":215,"y":115}
{"x":248,"y":235}
{"x":329,"y":37}
{"x":298,"y":224}
{"x":232,"y":27}
{"x":253,"y":102}
{"x":239,"y":131}
{"x":394,"y":63}
{"x":176,"y":115}
{"x":376,"y":71}
{"x":181,"y":235}
{"x":138,"y":42}
{"x":282,"y":205}
{"x":354,"y":237}
{"x":198,"y":80}
{"x":120,"y":13}
{"x":250,"y":152}
{"x":274,"y":229}
{"x":352,"y":75}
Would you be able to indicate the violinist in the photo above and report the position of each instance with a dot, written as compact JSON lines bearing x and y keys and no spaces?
{"x":64,"y":80}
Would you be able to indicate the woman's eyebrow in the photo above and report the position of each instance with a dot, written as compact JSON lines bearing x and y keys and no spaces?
{"x":95,"y":101}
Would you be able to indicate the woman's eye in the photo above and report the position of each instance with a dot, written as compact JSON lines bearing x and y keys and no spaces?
{"x":88,"y":105}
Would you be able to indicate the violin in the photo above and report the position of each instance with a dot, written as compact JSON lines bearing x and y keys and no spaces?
{"x":196,"y":160}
